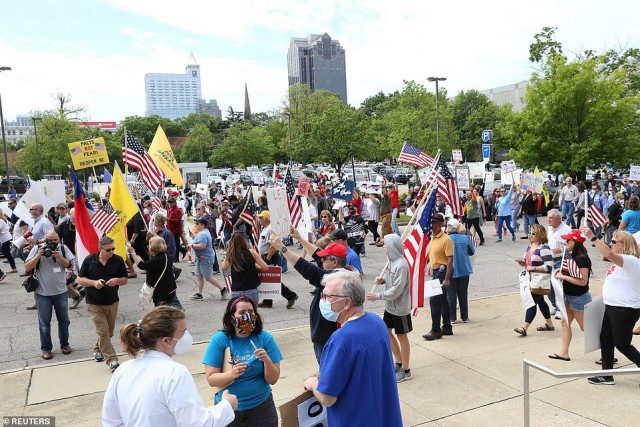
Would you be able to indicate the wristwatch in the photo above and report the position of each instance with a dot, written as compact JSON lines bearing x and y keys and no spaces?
{"x":594,"y":238}
{"x":284,"y":249}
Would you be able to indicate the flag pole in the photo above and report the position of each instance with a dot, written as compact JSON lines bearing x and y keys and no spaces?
{"x":128,"y":191}
{"x":97,"y":183}
{"x":126,"y":166}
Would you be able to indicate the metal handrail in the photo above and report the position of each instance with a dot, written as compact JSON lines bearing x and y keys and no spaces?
{"x":527,"y":363}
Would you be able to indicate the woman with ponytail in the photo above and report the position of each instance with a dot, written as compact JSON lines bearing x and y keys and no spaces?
{"x":153,"y":390}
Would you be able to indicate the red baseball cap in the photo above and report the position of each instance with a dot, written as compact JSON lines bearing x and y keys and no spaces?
{"x":334,"y":249}
{"x":574,"y":235}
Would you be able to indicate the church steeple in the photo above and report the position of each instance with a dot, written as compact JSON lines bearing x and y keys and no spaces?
{"x":247,"y":106}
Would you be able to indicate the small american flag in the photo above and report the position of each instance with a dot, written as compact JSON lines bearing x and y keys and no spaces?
{"x":134,"y":154}
{"x":105,"y":219}
{"x":248,"y":215}
{"x":294,"y":203}
{"x":156,"y":204}
{"x":413,"y":156}
{"x":415,"y":248}
{"x":569,"y":265}
{"x":474,"y":240}
{"x":595,"y":215}
{"x":448,"y":189}
{"x":227,"y":278}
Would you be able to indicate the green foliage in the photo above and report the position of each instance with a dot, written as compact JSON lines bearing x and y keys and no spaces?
{"x":545,"y":45}
{"x":144,"y":128}
{"x":198,"y":146}
{"x":244,"y":145}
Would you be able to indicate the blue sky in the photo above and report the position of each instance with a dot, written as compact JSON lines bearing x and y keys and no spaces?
{"x":98,"y":51}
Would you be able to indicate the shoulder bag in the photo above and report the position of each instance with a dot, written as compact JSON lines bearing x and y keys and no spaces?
{"x":539,"y":283}
{"x":31,"y":283}
{"x":146,"y":292}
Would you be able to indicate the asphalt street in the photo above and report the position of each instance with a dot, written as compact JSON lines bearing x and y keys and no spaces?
{"x":495,"y":273}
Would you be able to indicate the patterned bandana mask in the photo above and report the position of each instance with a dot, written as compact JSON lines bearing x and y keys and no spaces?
{"x":246,"y":323}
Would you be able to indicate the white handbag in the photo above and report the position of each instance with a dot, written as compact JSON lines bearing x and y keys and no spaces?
{"x":146,"y":292}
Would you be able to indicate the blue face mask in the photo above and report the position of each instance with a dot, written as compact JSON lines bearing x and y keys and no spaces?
{"x":327,"y":312}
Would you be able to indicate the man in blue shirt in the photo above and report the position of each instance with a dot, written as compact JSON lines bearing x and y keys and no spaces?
{"x":357,"y":383}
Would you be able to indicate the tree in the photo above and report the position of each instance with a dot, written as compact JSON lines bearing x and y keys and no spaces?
{"x":576,"y":117}
{"x":198,"y":146}
{"x":64,"y":108}
{"x":244,"y":145}
{"x":144,"y":128}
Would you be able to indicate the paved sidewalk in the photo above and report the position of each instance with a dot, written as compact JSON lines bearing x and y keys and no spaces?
{"x":474,"y":377}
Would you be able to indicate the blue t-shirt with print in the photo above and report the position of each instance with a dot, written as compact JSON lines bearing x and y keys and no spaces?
{"x":251,"y":388}
{"x":204,"y":237}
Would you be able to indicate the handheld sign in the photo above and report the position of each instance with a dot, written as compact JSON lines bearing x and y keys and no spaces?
{"x":457,"y":155}
{"x":269,"y":283}
{"x":463,"y":178}
{"x":343,"y":190}
{"x":508,"y":166}
{"x":303,"y":186}
{"x":634,"y":172}
{"x":279,"y":210}
{"x":88,"y":153}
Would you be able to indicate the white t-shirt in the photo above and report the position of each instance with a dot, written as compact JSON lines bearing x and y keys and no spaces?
{"x":621,"y":286}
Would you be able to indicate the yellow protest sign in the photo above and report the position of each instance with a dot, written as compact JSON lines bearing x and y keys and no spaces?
{"x":88,"y":153}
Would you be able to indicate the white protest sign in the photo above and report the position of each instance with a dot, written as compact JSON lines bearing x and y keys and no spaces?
{"x":219,"y":223}
{"x":33,"y":195}
{"x":305,"y":226}
{"x":432,"y":288}
{"x":54,"y":190}
{"x":508,"y":166}
{"x":593,"y":315}
{"x":489,"y":177}
{"x":202,"y":189}
{"x":311,"y":413}
{"x":258,"y":178}
{"x":4,"y":206}
{"x":510,"y":178}
{"x":634,"y":173}
{"x":457,"y":155}
{"x":476,"y":168}
{"x":279,"y":210}
{"x":462,"y":177}
{"x":559,"y":290}
{"x":525,"y":292}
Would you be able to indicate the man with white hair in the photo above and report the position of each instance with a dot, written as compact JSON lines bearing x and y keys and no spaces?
{"x":569,"y":196}
{"x":358,"y":384}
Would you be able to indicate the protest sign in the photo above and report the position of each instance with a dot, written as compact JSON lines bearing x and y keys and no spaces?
{"x":202,"y":189}
{"x":456,"y":155}
{"x":559,"y":290}
{"x":279,"y":210}
{"x":508,"y":166}
{"x":303,"y":411}
{"x":303,"y":186}
{"x":593,"y":315}
{"x":270,"y":280}
{"x":476,"y":169}
{"x":258,"y":178}
{"x":343,"y":190}
{"x":534,"y":182}
{"x":88,"y":153}
{"x":489,"y":177}
{"x":432,"y":288}
{"x":33,"y":195}
{"x":634,"y":173}
{"x":511,"y":177}
{"x":463,"y":178}
{"x":305,"y":226}
{"x":525,"y":292}
{"x":53,"y":190}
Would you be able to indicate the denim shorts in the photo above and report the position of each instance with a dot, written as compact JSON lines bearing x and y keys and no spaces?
{"x":204,"y":268}
{"x":577,"y":303}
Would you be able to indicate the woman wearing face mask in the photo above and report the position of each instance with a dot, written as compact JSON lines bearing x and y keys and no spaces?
{"x":152,"y":390}
{"x":255,"y":364}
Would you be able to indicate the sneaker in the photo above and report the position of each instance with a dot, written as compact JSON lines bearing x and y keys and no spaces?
{"x":513,"y":239}
{"x":223,"y":294}
{"x":197,"y":297}
{"x":292,"y":301}
{"x":4,"y":276}
{"x":397,"y":367}
{"x":32,"y":307}
{"x":499,"y":240}
{"x":558,"y":316}
{"x":407,"y":374}
{"x":98,"y":356}
{"x":113,"y":365}
{"x":76,"y":302}
{"x":176,"y":273}
{"x":552,"y":310}
{"x":216,"y":272}
{"x":400,"y":376}
{"x":602,"y":380}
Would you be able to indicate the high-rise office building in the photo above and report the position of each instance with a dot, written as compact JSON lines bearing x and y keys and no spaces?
{"x":177,"y":95}
{"x":319,"y":62}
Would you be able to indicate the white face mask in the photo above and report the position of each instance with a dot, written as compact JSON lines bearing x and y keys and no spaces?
{"x":184,"y":344}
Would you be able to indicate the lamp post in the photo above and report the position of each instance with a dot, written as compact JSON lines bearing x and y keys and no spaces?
{"x":437,"y":79}
{"x":35,"y":130}
{"x":4,"y":139}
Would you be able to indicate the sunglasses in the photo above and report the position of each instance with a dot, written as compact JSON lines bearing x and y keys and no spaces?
{"x":109,"y":249}
{"x":613,"y":242}
{"x":324,"y":216}
{"x":532,"y":234}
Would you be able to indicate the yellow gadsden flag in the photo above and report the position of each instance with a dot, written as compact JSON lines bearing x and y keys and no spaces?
{"x":125,"y":207}
{"x":545,"y":192}
{"x":161,"y":153}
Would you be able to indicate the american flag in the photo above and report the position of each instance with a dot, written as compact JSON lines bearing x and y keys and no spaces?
{"x":415,"y":249}
{"x":294,"y":203}
{"x":569,"y":265}
{"x":473,"y":239}
{"x":227,"y":279}
{"x":413,"y":156}
{"x":448,"y":189}
{"x":105,"y":219}
{"x":248,"y":215}
{"x":595,"y":215}
{"x":134,"y":154}
{"x":156,"y":204}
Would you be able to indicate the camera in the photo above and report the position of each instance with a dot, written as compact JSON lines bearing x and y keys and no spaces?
{"x":49,"y":248}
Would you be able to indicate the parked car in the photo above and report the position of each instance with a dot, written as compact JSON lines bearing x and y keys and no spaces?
{"x":402,"y":176}
{"x":19,"y":184}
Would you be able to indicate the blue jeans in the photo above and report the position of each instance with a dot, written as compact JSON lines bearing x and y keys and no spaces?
{"x":394,"y":222}
{"x":505,"y":220}
{"x":175,"y":302}
{"x":45,"y":306}
{"x":529,"y":220}
{"x":439,"y":305}
{"x":458,"y":291}
{"x":568,"y":210}
{"x":514,"y":218}
{"x":253,"y":294}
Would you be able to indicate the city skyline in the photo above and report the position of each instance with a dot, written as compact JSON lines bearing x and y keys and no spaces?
{"x":98,"y":51}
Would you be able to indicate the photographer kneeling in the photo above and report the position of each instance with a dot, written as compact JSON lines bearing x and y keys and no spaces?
{"x":50,"y":260}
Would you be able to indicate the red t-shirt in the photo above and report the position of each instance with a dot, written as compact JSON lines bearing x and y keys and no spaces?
{"x":395,"y":202}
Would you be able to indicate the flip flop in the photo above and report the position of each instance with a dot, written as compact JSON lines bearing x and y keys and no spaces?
{"x":556,"y":357}
{"x":522,"y":331}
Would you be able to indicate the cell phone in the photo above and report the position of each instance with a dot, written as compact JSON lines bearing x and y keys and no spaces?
{"x":520,"y":262}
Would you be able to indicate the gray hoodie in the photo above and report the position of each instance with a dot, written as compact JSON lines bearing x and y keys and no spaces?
{"x":396,"y":278}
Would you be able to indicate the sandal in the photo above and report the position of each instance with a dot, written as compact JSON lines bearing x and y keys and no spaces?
{"x":546,"y":327}
{"x":522,"y":331}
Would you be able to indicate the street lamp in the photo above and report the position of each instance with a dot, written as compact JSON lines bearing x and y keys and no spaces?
{"x":35,"y":130}
{"x":4,"y":140}
{"x":437,"y":79}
